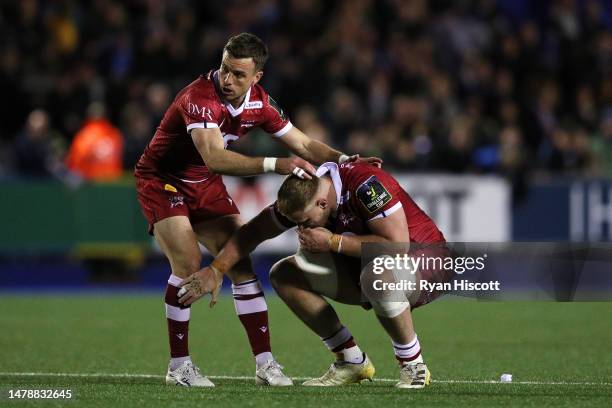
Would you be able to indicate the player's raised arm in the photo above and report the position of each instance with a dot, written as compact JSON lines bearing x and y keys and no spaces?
{"x":318,"y":152}
{"x":264,"y":226}
{"x":210,"y":145}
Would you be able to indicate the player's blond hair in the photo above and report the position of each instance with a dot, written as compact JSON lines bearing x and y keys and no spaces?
{"x":295,"y":193}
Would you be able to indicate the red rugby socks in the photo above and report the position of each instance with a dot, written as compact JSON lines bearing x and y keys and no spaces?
{"x":343,"y":344}
{"x":252,"y":310}
{"x":177,"y":317}
{"x":408,"y":353}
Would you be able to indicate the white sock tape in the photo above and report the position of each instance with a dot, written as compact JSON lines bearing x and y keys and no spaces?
{"x":269,"y":164}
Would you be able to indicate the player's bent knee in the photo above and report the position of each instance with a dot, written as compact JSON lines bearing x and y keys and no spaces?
{"x":385,"y":300}
{"x":389,"y":309}
{"x":385,"y":303}
{"x":241,"y":272}
{"x":282,"y":270}
{"x":185,"y":266}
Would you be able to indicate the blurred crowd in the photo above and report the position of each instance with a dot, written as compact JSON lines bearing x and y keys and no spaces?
{"x":512,"y":87}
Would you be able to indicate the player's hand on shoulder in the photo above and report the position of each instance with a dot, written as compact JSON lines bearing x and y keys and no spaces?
{"x":206,"y":280}
{"x":295,"y":165}
{"x":374,"y":161}
{"x":314,"y":239}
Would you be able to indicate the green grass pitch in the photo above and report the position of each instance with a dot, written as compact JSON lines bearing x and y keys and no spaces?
{"x":560,"y":354}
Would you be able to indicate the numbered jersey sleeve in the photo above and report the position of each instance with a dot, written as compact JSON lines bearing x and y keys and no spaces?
{"x":199,"y":110}
{"x":376,"y":192}
{"x":282,"y":222}
{"x":275,"y":121}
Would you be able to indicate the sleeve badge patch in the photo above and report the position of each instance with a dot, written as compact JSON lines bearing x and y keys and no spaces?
{"x":373,"y":195}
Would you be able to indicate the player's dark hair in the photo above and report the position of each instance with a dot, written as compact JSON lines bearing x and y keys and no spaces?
{"x":295,"y":193}
{"x":247,"y":45}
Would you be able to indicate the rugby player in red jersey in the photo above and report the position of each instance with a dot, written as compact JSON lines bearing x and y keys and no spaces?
{"x":184,"y":200}
{"x":345,"y":206}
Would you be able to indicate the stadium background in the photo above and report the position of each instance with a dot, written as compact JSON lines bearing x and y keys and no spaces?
{"x":496,"y":115}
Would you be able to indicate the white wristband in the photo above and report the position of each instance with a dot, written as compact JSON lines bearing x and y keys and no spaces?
{"x":269,"y":164}
{"x":343,"y":158}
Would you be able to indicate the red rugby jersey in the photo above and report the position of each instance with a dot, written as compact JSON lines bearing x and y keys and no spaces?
{"x":198,"y":105}
{"x":365,"y":192}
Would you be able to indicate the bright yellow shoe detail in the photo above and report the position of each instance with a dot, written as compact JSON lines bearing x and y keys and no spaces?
{"x":342,"y":373}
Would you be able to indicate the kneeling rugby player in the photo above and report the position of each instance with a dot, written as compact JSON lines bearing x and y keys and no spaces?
{"x":345,"y":206}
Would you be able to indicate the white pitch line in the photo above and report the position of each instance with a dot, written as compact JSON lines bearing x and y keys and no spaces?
{"x":233,"y":377}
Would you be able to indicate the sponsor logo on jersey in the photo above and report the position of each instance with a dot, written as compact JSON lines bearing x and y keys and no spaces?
{"x":254,"y":105}
{"x":373,"y":195}
{"x":247,"y":123}
{"x":196,"y":110}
